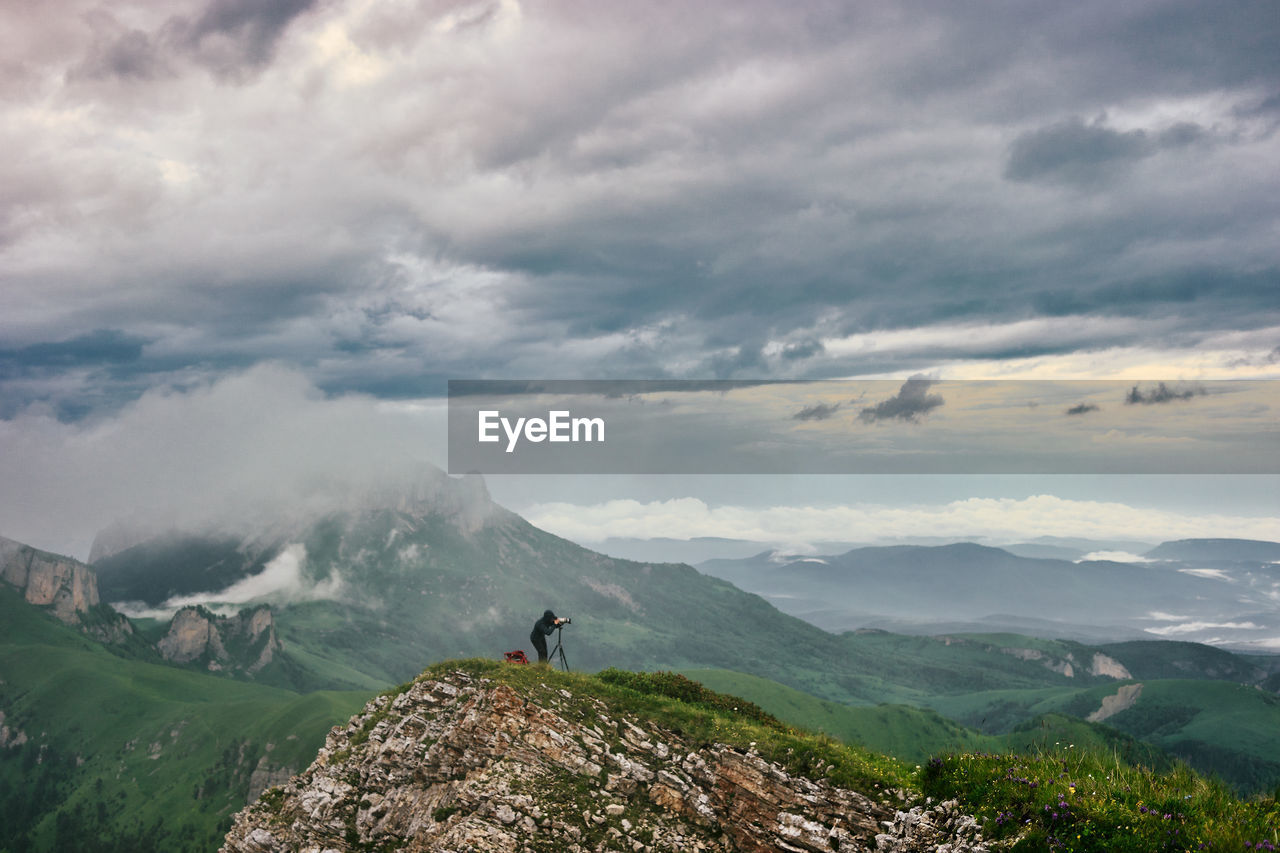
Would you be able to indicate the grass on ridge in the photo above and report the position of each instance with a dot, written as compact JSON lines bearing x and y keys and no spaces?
{"x":709,"y":718}
{"x":1063,"y":799}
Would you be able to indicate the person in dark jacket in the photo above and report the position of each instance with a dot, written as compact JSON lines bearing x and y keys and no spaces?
{"x":541,"y":629}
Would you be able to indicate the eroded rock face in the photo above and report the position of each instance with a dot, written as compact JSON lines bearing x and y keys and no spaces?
{"x":47,"y":580}
{"x":191,"y":635}
{"x":195,"y":634}
{"x":465,"y":763}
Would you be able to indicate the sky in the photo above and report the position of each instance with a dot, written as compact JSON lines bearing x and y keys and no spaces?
{"x":244,"y":245}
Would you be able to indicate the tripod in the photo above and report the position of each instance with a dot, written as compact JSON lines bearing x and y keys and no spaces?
{"x":559,"y":650}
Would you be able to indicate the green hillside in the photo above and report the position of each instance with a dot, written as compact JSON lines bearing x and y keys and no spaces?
{"x":120,"y":754}
{"x":1229,"y":729}
{"x":909,"y":733}
{"x":916,"y":734}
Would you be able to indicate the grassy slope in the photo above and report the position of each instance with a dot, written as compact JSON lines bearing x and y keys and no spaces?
{"x":916,"y":734}
{"x":133,"y":754}
{"x":1229,"y":729}
{"x":908,"y":733}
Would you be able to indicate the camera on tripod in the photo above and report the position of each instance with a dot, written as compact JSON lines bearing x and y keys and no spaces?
{"x":558,"y":651}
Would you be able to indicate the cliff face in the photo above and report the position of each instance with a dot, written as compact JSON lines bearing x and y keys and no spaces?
{"x":466,"y":763}
{"x":245,"y":641}
{"x":68,"y":586}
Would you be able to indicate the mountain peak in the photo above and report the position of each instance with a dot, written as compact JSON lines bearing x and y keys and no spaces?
{"x":498,"y":757}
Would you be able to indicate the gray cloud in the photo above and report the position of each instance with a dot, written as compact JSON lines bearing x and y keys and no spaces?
{"x":102,"y":346}
{"x":1163,"y":393}
{"x":1073,"y":152}
{"x":1082,"y":409}
{"x":124,"y":54}
{"x":816,"y":412}
{"x":912,"y":402}
{"x":231,"y":36}
{"x":803,"y":350}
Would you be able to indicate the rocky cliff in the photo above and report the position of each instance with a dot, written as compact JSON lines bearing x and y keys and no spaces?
{"x":68,"y":586}
{"x":246,"y":641}
{"x":461,"y":761}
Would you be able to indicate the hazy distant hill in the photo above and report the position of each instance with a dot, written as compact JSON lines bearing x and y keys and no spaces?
{"x":1218,"y":600}
{"x":1217,"y":550}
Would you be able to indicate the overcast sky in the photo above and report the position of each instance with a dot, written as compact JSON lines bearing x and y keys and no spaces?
{"x":211,"y":207}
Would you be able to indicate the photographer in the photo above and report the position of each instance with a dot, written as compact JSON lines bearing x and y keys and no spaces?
{"x":541,"y":629}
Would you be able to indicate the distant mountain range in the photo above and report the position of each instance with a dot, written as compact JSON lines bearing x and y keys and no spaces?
{"x":699,"y":549}
{"x":1219,"y":591}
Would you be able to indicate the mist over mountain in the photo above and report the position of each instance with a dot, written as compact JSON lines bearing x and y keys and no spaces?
{"x":291,"y":553}
{"x":1218,"y":592}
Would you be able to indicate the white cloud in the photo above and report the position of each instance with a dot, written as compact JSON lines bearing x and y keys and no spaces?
{"x":1114,"y":557}
{"x":1161,"y":616}
{"x":1007,"y":519}
{"x":281,"y":581}
{"x":1196,"y":627}
{"x":1212,"y":574}
{"x":1211,"y":355}
{"x":260,"y":441}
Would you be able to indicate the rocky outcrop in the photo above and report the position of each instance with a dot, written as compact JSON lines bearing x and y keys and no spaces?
{"x":1122,"y":700}
{"x":246,"y":641}
{"x":1060,"y":666}
{"x":1109,"y":666}
{"x":67,"y":586}
{"x":267,"y":775}
{"x":1099,"y":664}
{"x":463,"y":762}
{"x":941,"y":828}
{"x":192,"y":635}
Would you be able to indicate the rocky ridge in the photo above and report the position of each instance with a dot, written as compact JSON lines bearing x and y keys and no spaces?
{"x":66,"y":587}
{"x":462,"y":762}
{"x":245,"y":641}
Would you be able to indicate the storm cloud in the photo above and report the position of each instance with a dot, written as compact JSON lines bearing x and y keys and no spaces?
{"x":912,"y":402}
{"x":384,"y":196}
